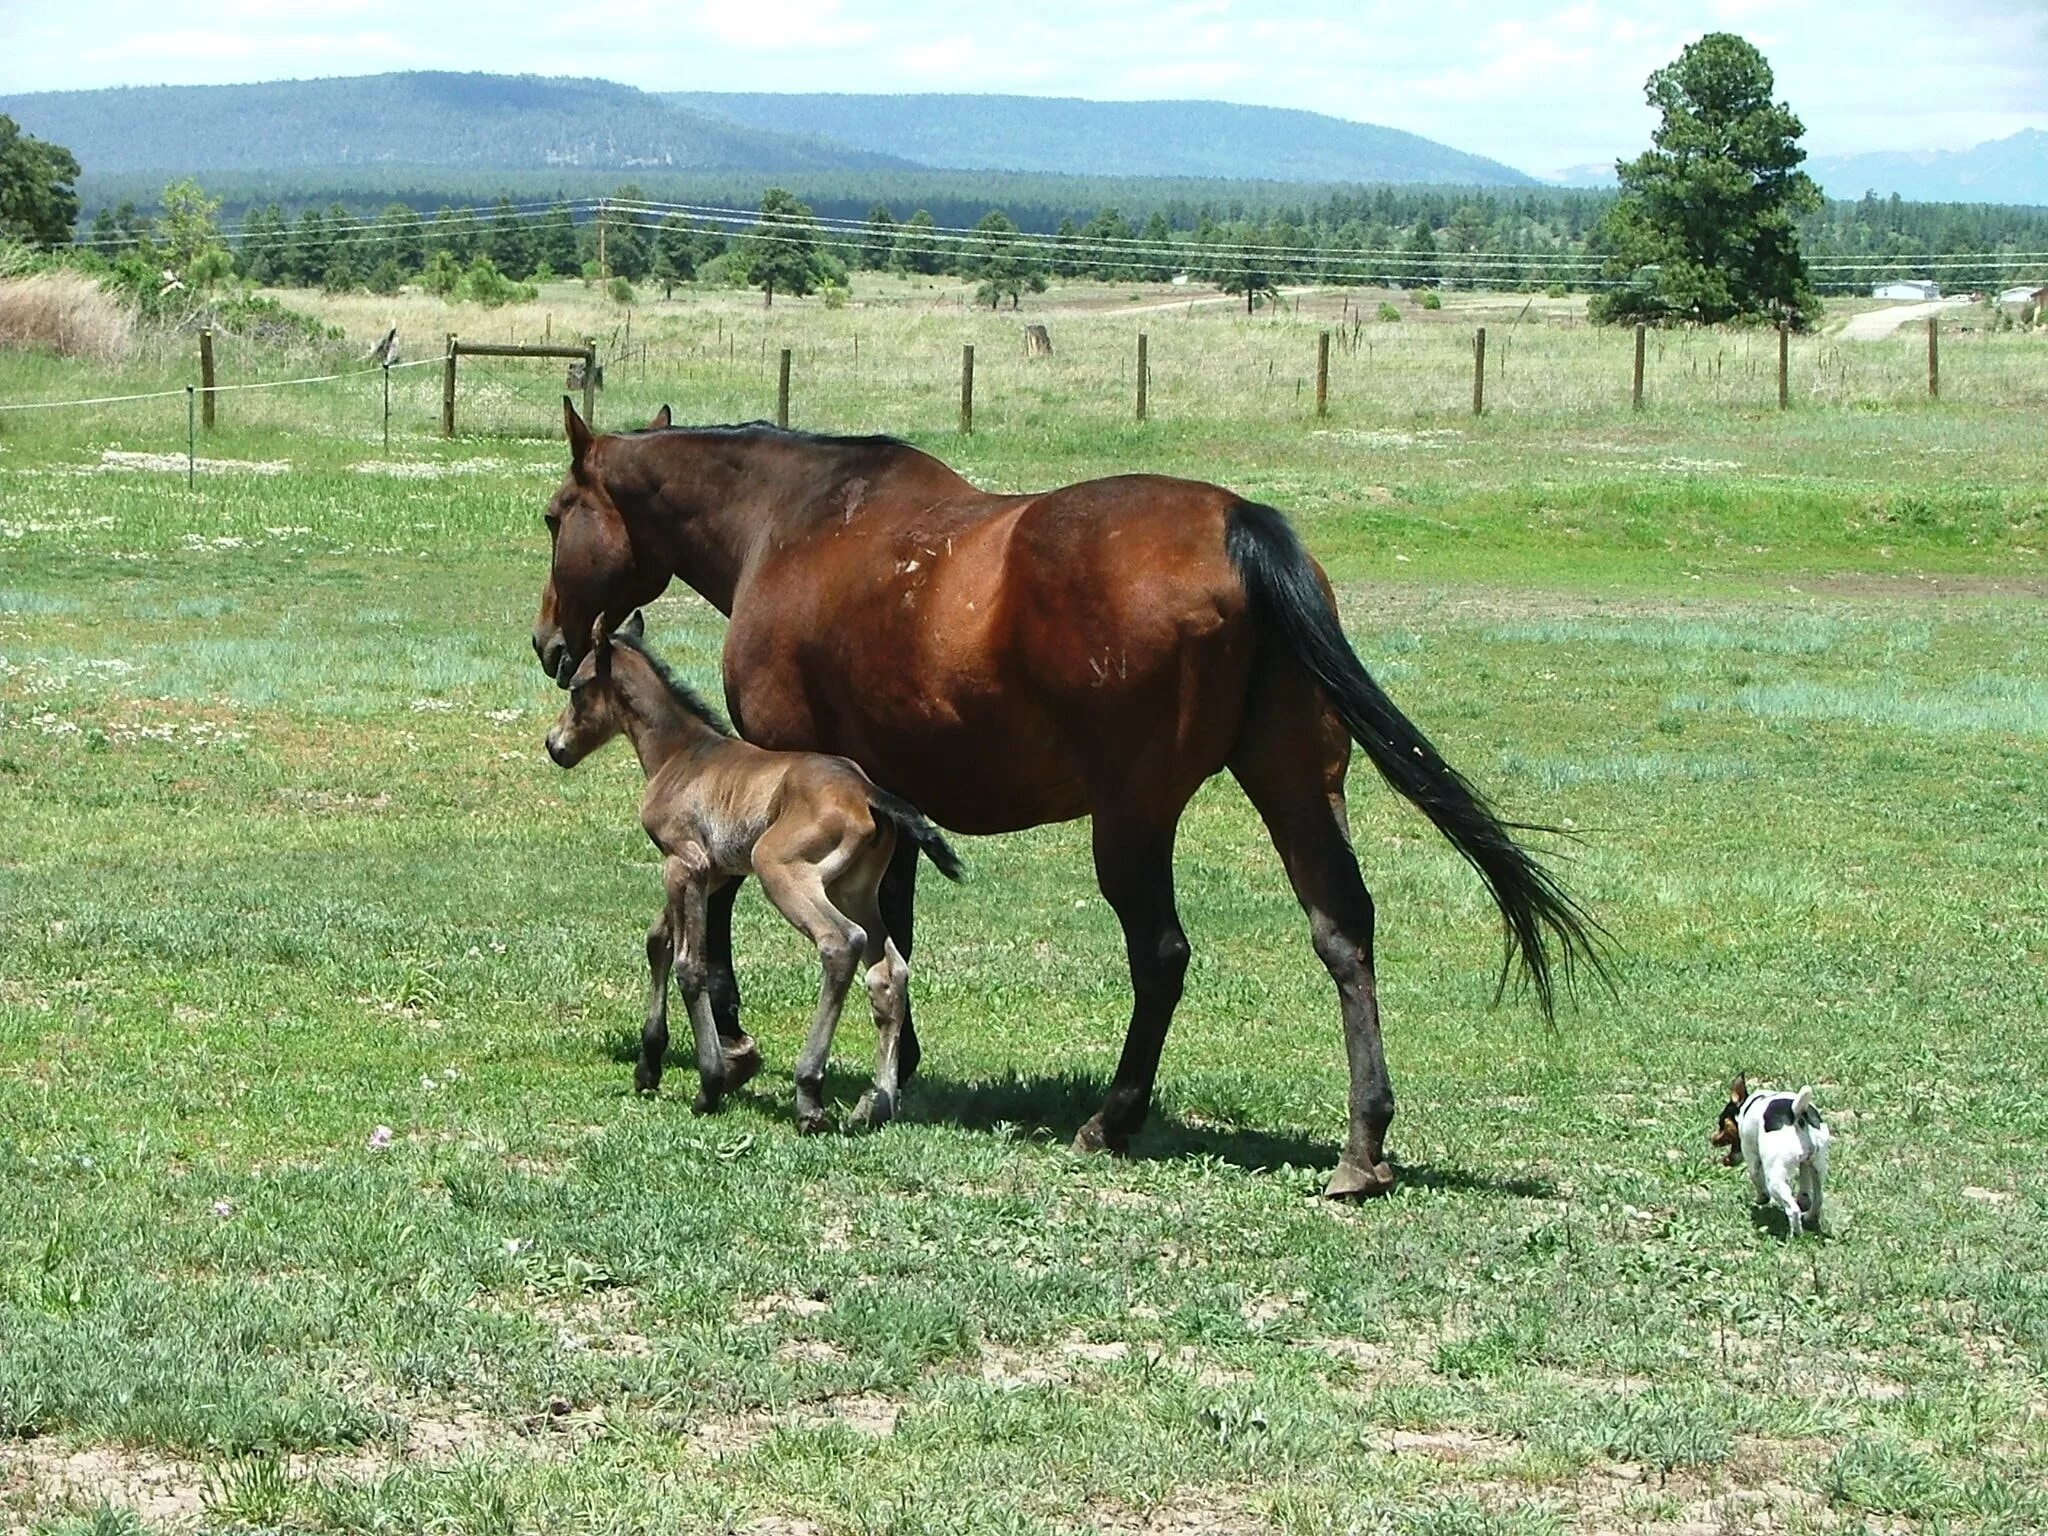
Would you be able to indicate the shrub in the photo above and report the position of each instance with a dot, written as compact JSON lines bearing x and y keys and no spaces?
{"x":442,"y":275}
{"x":66,"y":313}
{"x":619,"y":291}
{"x":1556,"y":291}
{"x":834,"y":295}
{"x":385,"y":277}
{"x":484,"y":284}
{"x":1388,"y":312}
{"x":1429,"y":298}
{"x":726,"y":271}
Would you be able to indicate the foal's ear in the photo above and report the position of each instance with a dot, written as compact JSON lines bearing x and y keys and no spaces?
{"x":635,"y":625}
{"x":578,"y":430}
{"x":600,"y":636}
{"x":662,"y":418}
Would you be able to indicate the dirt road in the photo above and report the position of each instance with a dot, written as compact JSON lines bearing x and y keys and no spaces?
{"x":1880,"y":323}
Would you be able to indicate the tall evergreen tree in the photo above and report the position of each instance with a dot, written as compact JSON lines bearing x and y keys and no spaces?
{"x":554,"y":242}
{"x":509,"y":243}
{"x":915,"y":247}
{"x":1705,"y":229}
{"x":1006,"y":266}
{"x":878,"y":251}
{"x":782,"y":250}
{"x":402,"y":238}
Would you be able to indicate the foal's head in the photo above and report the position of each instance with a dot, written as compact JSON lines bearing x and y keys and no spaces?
{"x":595,"y":711}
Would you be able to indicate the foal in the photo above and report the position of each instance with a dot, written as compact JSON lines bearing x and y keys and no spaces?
{"x":814,"y":830}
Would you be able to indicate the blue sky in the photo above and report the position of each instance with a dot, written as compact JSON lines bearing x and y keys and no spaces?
{"x":1541,"y":85}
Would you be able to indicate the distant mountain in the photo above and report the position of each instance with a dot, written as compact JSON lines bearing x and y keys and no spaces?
{"x":499,"y":122}
{"x":1598,"y":174}
{"x":2013,"y":170}
{"x":1069,"y":136}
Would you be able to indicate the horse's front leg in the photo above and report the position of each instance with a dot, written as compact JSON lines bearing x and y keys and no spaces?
{"x":661,"y":957}
{"x":722,"y":987}
{"x":688,"y":880}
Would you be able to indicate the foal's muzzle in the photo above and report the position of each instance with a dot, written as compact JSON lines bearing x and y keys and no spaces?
{"x":559,"y":751}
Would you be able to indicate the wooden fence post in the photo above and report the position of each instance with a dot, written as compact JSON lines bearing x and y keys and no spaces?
{"x":1784,"y":366}
{"x":1636,"y":390}
{"x":590,"y":381}
{"x":206,"y":379}
{"x":1934,"y":356}
{"x":1479,"y":372}
{"x":448,"y":390}
{"x":1323,"y":373}
{"x":782,"y":391}
{"x":1141,"y":375}
{"x":967,"y":390}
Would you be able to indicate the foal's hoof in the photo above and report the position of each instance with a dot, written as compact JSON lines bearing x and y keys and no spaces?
{"x":1097,"y":1137}
{"x":742,"y":1061}
{"x":645,"y":1081}
{"x":812,"y":1122}
{"x":874,"y":1111}
{"x":707,"y":1101}
{"x":1353,"y":1182}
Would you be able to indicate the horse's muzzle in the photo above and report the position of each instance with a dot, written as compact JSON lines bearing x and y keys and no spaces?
{"x":554,"y":657}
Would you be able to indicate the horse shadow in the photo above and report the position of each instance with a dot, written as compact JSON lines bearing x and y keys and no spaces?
{"x":1052,"y":1106}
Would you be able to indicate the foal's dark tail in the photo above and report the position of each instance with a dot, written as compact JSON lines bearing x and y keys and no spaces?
{"x":915,"y":825}
{"x":1289,"y":603}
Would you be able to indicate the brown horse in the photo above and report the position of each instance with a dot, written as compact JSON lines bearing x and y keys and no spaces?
{"x":1007,"y":661}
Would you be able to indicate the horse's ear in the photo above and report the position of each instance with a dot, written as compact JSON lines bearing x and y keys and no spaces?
{"x":635,"y":625}
{"x":578,"y":430}
{"x":662,"y":418}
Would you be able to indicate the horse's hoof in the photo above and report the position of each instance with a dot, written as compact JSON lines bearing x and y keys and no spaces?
{"x":742,"y":1061}
{"x":1096,"y":1137}
{"x":707,"y":1101}
{"x":645,"y":1081}
{"x":1352,"y":1182}
{"x":813,"y":1122}
{"x":872,"y":1112}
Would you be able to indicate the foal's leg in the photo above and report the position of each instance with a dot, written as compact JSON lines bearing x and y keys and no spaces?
{"x":1291,"y":761}
{"x":1134,"y":867}
{"x":721,"y":984}
{"x":661,"y":957}
{"x":898,"y":900}
{"x":887,"y":976}
{"x":795,"y":885}
{"x":688,"y":882}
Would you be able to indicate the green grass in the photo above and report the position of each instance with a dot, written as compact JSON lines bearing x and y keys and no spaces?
{"x":283,"y":862}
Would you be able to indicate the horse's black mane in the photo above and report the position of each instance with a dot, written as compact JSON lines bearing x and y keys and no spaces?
{"x":685,"y":695}
{"x":868,"y":440}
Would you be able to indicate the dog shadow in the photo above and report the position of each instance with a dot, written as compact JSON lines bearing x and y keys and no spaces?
{"x":1051,"y":1107}
{"x":1772,"y":1222}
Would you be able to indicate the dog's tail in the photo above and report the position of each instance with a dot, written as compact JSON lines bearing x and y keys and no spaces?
{"x":1803,"y":1112}
{"x":915,"y":825}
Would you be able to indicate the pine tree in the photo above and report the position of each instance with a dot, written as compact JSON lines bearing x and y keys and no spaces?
{"x":916,"y":248}
{"x":1704,"y":229}
{"x":878,"y":251}
{"x":782,"y":250}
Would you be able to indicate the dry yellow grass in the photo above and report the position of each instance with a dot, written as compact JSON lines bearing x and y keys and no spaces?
{"x":65,"y":313}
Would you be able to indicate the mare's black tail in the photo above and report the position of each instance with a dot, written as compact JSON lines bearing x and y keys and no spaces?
{"x":1289,"y":604}
{"x":916,"y":826}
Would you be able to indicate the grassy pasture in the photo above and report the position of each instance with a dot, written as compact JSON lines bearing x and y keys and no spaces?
{"x":283,"y":863}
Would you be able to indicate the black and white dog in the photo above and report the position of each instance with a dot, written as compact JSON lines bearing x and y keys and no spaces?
{"x":1783,"y":1141}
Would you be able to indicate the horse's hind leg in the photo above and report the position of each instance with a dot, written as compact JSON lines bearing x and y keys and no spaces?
{"x":1291,"y":760}
{"x":898,"y":902}
{"x":1134,"y":867}
{"x":887,"y":976}
{"x":798,"y":892}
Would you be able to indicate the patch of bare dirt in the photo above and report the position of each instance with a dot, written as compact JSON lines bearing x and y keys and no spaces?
{"x":1912,"y":584}
{"x":1445,"y":1445}
{"x":1183,"y":1512}
{"x":46,"y":1477}
{"x":762,"y":1309}
{"x":865,"y":1413}
{"x":809,"y":1352}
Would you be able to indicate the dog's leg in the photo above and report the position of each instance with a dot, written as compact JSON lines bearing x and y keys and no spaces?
{"x":1779,"y":1182}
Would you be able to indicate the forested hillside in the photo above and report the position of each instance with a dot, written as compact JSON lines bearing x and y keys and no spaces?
{"x":418,"y":119}
{"x":1068,"y":136}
